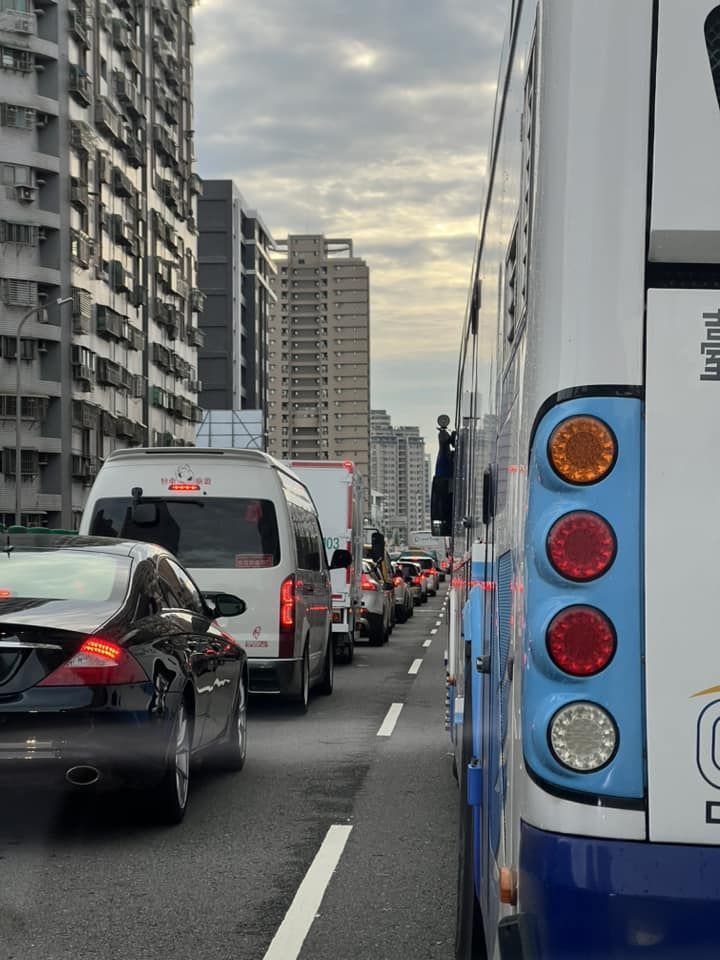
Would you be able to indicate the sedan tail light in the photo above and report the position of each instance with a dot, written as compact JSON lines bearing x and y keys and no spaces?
{"x":417,"y":580}
{"x":97,"y":663}
{"x":367,"y":583}
{"x":397,"y":581}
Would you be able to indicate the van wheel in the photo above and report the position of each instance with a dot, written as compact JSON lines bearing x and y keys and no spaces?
{"x":303,"y":696}
{"x":326,"y":684}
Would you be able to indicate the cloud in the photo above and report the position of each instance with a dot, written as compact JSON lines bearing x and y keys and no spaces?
{"x":371,"y":121}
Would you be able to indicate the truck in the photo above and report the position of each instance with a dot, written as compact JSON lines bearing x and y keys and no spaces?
{"x":336,"y":487}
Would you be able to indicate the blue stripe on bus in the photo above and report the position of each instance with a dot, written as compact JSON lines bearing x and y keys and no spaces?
{"x":618,"y":688}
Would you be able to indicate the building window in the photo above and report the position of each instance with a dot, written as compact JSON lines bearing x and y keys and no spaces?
{"x":12,"y":115}
{"x":13,"y":59}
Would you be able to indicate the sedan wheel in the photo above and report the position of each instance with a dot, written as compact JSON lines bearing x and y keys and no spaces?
{"x":171,"y":796}
{"x":233,"y":750}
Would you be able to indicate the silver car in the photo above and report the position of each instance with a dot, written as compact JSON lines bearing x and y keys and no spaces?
{"x":404,"y":604}
{"x":416,"y":583}
{"x":375,"y":609}
{"x":430,"y":574}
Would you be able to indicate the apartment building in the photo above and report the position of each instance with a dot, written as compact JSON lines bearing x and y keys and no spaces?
{"x":319,"y":353}
{"x":399,"y":474}
{"x":97,"y":204}
{"x":235,"y":273}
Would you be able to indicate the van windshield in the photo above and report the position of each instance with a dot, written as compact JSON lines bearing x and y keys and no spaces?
{"x":212,"y":532}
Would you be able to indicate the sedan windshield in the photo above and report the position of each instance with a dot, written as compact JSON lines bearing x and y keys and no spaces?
{"x":62,"y":575}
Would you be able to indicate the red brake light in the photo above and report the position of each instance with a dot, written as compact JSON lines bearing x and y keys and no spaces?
{"x":287,"y":616}
{"x":397,"y":581}
{"x":184,"y":487}
{"x":581,"y":641}
{"x":417,"y":580}
{"x":98,"y":663}
{"x":581,"y":545}
{"x":367,"y":583}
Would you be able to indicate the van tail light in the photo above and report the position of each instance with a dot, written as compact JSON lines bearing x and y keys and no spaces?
{"x":287,"y":617}
{"x":97,"y":663}
{"x":367,"y":583}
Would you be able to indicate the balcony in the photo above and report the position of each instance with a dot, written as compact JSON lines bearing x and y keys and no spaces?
{"x":135,"y":337}
{"x":196,"y":184}
{"x":83,"y":373}
{"x":195,"y":337}
{"x":122,"y":232}
{"x":169,"y":193}
{"x":128,"y":94}
{"x":121,"y":184}
{"x":79,"y":196}
{"x":162,"y":357}
{"x":134,"y":151}
{"x":80,"y":85}
{"x":107,"y":120}
{"x":110,"y":373}
{"x":110,"y":323}
{"x":81,"y":310}
{"x":81,"y":136}
{"x":120,"y":278}
{"x":16,"y":21}
{"x":78,"y":23}
{"x":197,"y":300}
{"x":81,"y":248}
{"x":134,"y":57}
{"x":164,"y":142}
{"x":121,"y":33}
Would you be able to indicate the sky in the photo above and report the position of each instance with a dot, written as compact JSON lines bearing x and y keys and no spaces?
{"x":366,"y":120}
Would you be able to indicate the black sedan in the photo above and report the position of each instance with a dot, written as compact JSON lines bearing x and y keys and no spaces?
{"x":112,"y":669}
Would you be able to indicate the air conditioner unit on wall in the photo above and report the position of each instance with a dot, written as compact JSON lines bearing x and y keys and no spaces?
{"x":24,"y":193}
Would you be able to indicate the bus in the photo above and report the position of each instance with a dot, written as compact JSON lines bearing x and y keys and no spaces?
{"x":583,"y":677}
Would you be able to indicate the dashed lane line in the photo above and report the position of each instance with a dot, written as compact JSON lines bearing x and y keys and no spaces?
{"x":428,"y":642}
{"x":391,"y":718}
{"x":287,"y":942}
{"x":415,"y":668}
{"x":433,"y":631}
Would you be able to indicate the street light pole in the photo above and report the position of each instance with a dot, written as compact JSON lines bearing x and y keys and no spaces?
{"x":18,"y":405}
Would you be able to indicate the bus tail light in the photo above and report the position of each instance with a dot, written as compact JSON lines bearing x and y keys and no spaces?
{"x":583,"y":737}
{"x":582,"y":450}
{"x":287,"y":617}
{"x":581,"y":546}
{"x":581,"y":641}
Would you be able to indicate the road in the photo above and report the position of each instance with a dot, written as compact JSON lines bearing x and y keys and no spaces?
{"x":85,"y":878}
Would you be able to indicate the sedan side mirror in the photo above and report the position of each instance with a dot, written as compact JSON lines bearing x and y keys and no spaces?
{"x":341,"y":560}
{"x":224,"y":604}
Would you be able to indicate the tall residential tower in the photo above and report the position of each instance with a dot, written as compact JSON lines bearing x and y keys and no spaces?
{"x":319,"y":354}
{"x":97,"y":204}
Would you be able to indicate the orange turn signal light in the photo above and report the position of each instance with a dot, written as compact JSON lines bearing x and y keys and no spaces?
{"x":582,"y":450}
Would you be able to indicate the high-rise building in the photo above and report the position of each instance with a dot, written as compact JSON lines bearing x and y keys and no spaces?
{"x":319,"y":354}
{"x":97,"y":201}
{"x":399,"y":474}
{"x":235,"y":269}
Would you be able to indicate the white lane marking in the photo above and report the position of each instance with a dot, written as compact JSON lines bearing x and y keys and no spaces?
{"x":433,"y":632}
{"x":391,"y":718}
{"x":415,"y":668}
{"x":428,"y":642}
{"x":438,"y":623}
{"x":287,"y":942}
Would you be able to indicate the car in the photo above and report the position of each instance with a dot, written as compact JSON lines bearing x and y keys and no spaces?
{"x":374,"y":609}
{"x":416,"y":583}
{"x":404,"y":606}
{"x":113,"y":670}
{"x":428,"y":568}
{"x":240,"y":521}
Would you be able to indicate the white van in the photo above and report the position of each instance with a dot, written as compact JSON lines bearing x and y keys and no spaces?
{"x":241,"y":523}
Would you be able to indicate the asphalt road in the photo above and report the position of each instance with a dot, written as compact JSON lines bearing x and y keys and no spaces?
{"x":86,"y":878}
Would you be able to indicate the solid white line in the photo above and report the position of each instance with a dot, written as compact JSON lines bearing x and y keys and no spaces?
{"x":391,"y":718}
{"x":287,"y":942}
{"x":428,"y":642}
{"x":433,"y":632}
{"x":415,"y":668}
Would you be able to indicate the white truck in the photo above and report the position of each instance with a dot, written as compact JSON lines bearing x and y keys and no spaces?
{"x":336,"y":488}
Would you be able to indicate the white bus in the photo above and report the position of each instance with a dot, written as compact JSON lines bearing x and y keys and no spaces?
{"x":584,"y":676}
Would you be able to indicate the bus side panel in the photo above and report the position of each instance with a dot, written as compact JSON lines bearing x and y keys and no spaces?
{"x":682,"y":557}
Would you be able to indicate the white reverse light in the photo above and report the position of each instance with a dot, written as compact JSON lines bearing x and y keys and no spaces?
{"x":583,"y":736}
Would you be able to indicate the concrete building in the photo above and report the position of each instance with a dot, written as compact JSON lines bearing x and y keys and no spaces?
{"x":97,"y":203}
{"x":399,"y":473}
{"x":319,"y":354}
{"x":235,"y":269}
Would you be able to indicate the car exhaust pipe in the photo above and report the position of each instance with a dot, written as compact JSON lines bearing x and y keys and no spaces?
{"x":82,"y":776}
